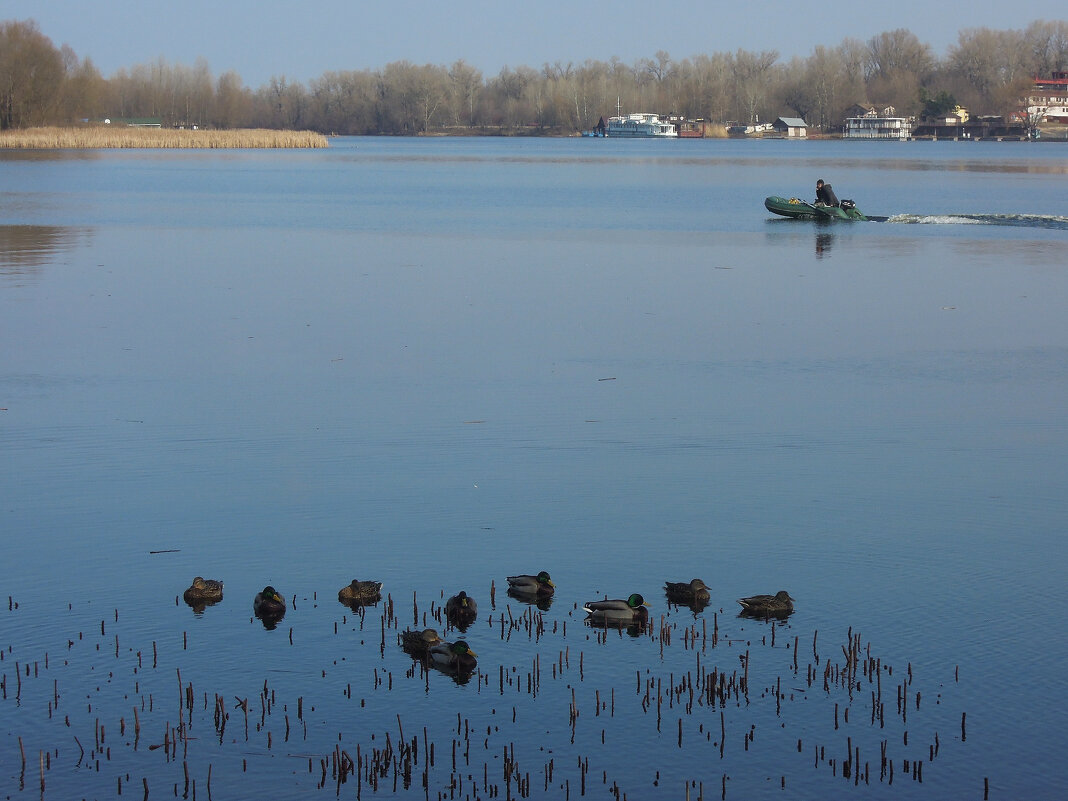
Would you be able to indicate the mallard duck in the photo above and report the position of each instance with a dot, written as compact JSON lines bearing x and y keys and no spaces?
{"x":461,"y":610}
{"x":419,"y":643}
{"x":453,"y":656}
{"x":540,"y":584}
{"x":360,"y":592}
{"x":618,"y":612}
{"x":269,"y":603}
{"x":203,"y":591}
{"x":694,"y":592}
{"x":777,"y":605}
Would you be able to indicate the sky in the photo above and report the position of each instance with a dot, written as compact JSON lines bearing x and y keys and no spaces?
{"x":262,"y":39}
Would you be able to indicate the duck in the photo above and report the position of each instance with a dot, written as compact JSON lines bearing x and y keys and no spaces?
{"x":693,"y":592}
{"x":203,"y":591}
{"x":634,"y":610}
{"x":456,"y":656}
{"x":540,"y":584}
{"x":268,"y":603}
{"x":419,"y":643}
{"x":461,"y":610}
{"x":778,"y":605}
{"x":360,"y":592}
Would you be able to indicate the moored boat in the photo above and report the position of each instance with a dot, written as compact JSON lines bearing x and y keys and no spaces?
{"x":644,"y":126}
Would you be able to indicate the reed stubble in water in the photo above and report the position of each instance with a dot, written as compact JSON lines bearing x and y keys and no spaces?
{"x":682,"y":674}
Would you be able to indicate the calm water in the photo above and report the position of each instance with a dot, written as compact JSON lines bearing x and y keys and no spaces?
{"x":441,"y":362}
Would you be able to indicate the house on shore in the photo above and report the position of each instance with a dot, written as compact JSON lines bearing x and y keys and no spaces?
{"x":1048,"y":99}
{"x":790,"y":127}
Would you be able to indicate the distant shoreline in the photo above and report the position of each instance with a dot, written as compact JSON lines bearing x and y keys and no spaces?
{"x":100,"y":137}
{"x":121,"y":137}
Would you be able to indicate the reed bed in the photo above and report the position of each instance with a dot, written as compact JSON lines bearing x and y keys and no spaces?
{"x":55,"y":138}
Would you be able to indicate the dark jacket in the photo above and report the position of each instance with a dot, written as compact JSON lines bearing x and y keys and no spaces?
{"x":827,"y":196}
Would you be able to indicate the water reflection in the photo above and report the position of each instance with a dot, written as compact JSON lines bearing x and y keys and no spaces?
{"x":824,"y":243}
{"x":49,"y":154}
{"x":458,"y":675}
{"x":357,"y":607}
{"x":633,"y":629}
{"x":543,"y":602}
{"x":198,"y":606}
{"x":23,"y":247}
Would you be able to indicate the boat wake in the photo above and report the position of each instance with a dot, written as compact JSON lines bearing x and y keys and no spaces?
{"x":1015,"y":220}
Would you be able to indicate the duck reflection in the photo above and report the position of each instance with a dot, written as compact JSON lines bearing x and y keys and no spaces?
{"x":633,"y":629}
{"x":542,"y":602}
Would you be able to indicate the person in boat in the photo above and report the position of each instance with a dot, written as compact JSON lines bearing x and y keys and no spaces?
{"x":825,"y":195}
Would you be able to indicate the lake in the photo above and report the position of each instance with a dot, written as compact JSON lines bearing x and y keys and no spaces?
{"x":440,"y":362}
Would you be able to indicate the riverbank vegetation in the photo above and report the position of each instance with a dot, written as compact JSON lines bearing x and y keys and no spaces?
{"x":123,"y":136}
{"x":987,"y":71}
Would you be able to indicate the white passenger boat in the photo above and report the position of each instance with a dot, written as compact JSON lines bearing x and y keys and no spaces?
{"x":640,"y":125}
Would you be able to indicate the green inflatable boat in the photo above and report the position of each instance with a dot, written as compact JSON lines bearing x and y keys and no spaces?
{"x":799,"y":209}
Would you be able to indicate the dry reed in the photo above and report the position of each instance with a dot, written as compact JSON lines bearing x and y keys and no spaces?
{"x":715,"y":130}
{"x":130,"y":137}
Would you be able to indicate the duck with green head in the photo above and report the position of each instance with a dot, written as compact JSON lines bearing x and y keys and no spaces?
{"x":268,"y":603}
{"x":632,"y":611}
{"x":453,"y":656}
{"x":358,"y":593}
{"x":778,"y":605}
{"x":540,"y":584}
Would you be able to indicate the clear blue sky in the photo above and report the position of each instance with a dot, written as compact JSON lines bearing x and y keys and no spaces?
{"x":264,"y":38}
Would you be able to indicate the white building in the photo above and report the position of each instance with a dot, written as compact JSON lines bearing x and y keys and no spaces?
{"x":875,"y":124}
{"x":1048,"y":99}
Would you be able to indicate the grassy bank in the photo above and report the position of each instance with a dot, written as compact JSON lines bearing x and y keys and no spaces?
{"x":127,"y":137}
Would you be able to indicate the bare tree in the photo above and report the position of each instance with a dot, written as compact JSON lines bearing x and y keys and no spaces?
{"x":898,"y":51}
{"x":1046,"y":44}
{"x":751,"y":80}
{"x":31,"y":74}
{"x":84,"y":94}
{"x":233,"y":102}
{"x":465,"y":86}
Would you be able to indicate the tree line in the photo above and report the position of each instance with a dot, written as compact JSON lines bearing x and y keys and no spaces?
{"x":987,"y":71}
